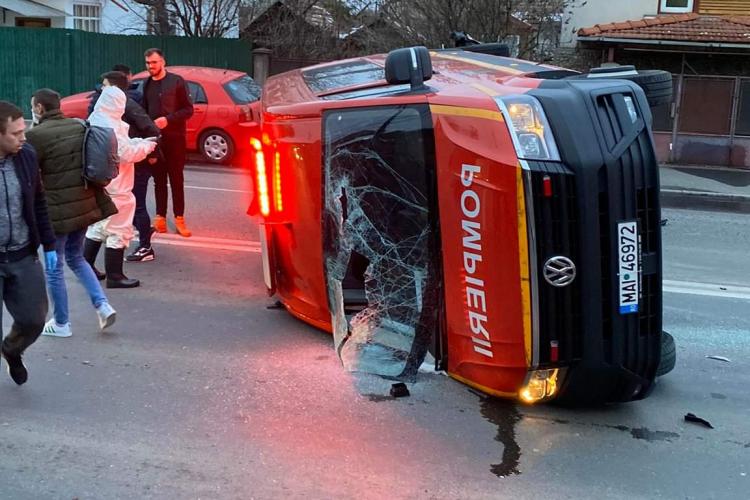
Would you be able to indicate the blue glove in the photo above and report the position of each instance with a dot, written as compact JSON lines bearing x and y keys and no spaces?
{"x":50,"y":259}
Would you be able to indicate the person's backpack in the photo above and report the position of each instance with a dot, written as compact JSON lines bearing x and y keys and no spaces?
{"x":101,"y":163}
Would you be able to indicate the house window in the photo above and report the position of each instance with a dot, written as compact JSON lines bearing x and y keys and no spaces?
{"x":676,"y":6}
{"x":87,"y":17}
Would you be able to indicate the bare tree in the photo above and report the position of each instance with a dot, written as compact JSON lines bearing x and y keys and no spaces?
{"x":297,"y":29}
{"x":160,"y":24}
{"x":330,"y":29}
{"x":485,"y":20}
{"x":197,"y":18}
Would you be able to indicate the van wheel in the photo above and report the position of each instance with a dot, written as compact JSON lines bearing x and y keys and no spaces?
{"x":668,"y":355}
{"x":216,"y":146}
{"x":656,"y":84}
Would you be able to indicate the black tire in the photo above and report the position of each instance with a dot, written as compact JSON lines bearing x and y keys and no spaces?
{"x":216,"y":146}
{"x":668,"y":355}
{"x":495,"y":49}
{"x":656,"y":84}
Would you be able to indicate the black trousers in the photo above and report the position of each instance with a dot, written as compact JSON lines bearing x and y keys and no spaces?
{"x":24,"y":294}
{"x":170,"y":167}
{"x":141,"y":219}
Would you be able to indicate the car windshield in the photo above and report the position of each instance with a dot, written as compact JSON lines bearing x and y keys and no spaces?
{"x":243,"y":90}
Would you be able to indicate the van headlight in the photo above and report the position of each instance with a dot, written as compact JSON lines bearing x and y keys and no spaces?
{"x":529,"y":128}
{"x":541,"y":385}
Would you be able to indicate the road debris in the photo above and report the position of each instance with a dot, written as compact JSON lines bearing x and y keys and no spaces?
{"x":719,"y":358}
{"x":399,"y":390}
{"x":690,"y":417}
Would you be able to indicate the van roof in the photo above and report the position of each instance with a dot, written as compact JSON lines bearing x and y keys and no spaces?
{"x":364,"y":77}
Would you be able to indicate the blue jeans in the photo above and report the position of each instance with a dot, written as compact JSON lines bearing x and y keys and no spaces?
{"x":141,"y":219}
{"x":70,"y":248}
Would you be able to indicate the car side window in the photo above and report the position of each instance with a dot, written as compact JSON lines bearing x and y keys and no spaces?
{"x":197,"y":94}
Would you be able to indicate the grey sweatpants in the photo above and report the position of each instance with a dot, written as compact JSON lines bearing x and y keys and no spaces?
{"x":23,"y":292}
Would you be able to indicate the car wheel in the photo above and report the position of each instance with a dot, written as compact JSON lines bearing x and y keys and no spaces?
{"x":668,"y":355}
{"x":216,"y":146}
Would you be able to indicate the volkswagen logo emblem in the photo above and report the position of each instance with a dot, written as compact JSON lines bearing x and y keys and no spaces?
{"x":559,"y":271}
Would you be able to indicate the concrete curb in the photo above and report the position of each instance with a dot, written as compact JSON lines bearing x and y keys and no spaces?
{"x":705,"y":200}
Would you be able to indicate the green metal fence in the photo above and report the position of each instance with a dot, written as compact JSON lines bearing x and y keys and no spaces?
{"x":71,"y":61}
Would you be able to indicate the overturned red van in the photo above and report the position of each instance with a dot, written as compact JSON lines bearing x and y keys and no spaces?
{"x":500,"y":214}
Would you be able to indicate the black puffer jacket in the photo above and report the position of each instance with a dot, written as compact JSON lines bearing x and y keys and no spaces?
{"x":72,"y":205}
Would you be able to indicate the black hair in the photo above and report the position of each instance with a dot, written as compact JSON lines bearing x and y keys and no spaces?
{"x":122,"y":68}
{"x":9,"y":112}
{"x":152,"y":51}
{"x":117,"y":79}
{"x":48,"y":98}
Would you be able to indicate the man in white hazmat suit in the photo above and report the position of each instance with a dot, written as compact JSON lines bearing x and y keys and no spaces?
{"x":116,"y":231}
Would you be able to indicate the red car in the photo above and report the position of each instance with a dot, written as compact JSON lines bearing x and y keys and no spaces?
{"x":220,"y":125}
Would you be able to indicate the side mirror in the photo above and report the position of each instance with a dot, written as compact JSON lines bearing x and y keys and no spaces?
{"x":410,"y":65}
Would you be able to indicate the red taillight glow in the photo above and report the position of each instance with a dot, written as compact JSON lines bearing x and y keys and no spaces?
{"x":260,"y":173}
{"x":554,"y":351}
{"x":547,"y":185}
{"x":278,"y":202}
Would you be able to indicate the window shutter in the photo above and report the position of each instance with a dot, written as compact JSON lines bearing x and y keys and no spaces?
{"x":724,"y":7}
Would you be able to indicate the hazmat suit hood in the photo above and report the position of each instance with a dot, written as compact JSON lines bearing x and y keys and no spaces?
{"x":109,"y":109}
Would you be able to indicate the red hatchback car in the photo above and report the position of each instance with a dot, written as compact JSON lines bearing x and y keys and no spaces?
{"x":220,"y":126}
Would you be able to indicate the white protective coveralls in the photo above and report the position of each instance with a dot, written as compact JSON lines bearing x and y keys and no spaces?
{"x":117,"y":230}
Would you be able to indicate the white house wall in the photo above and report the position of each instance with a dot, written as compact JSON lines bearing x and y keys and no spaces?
{"x":63,"y":5}
{"x":601,"y":12}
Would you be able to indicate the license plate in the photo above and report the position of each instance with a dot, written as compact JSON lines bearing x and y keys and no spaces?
{"x":628,"y":246}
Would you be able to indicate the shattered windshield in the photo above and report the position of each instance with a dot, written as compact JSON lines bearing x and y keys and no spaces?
{"x":381,"y":248}
{"x":342,"y":75}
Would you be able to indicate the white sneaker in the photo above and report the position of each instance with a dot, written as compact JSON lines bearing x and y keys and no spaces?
{"x":52,"y":329}
{"x":106,"y":314}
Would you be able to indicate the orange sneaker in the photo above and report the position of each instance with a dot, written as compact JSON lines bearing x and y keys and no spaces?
{"x":179,"y":223}
{"x":160,"y":224}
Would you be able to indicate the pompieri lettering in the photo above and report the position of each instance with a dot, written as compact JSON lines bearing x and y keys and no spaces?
{"x":471,"y":242}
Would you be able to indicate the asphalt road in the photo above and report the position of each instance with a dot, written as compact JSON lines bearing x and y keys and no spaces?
{"x":201,"y":391}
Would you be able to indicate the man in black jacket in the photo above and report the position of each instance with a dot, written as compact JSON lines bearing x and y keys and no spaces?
{"x":141,"y":125}
{"x":24,"y":225}
{"x":166,"y":100}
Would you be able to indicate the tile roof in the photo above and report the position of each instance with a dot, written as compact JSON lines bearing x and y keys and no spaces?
{"x":680,"y":27}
